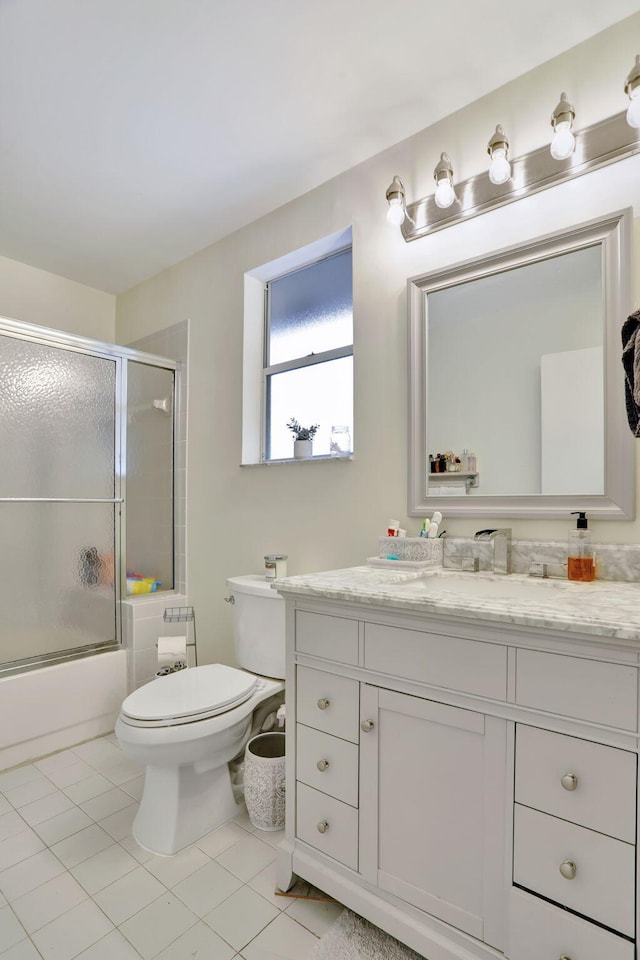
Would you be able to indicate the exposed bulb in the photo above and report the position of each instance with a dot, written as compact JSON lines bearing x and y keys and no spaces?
{"x":395,"y":213}
{"x":499,"y":168}
{"x":445,"y":194}
{"x":633,"y":111}
{"x":563,"y":143}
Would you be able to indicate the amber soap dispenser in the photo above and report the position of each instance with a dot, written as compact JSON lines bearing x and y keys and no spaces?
{"x":580,"y":563}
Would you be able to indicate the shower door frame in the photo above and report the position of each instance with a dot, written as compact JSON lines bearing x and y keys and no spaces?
{"x":50,"y":337}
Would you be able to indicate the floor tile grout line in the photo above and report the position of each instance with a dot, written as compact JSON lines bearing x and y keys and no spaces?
{"x":246,"y":829}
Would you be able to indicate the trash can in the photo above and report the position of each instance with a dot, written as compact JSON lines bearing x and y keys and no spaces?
{"x":264,"y":780}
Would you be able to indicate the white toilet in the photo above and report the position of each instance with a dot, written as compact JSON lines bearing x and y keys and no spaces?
{"x":184,"y":728}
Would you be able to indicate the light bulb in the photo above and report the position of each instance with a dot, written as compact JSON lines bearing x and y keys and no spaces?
{"x":633,"y":112}
{"x":445,"y":194}
{"x":563,"y":143}
{"x":395,"y":213}
{"x":632,"y":89}
{"x":499,"y":168}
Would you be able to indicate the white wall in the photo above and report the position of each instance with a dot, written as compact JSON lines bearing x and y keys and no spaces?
{"x":325,"y":514}
{"x":36,"y":296}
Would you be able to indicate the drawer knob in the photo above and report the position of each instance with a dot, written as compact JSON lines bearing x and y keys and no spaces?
{"x":322,"y":765}
{"x":323,"y":826}
{"x":367,"y":726}
{"x":323,"y":703}
{"x":569,"y":781}
{"x":568,"y":869}
{"x":565,"y":957}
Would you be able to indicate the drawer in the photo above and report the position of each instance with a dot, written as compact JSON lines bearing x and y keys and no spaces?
{"x":327,"y":763}
{"x":539,"y":930}
{"x":467,"y":665}
{"x":587,"y":689}
{"x":328,"y":703}
{"x":603,"y":888}
{"x":333,"y":638}
{"x":600,"y":782}
{"x":340,"y":822}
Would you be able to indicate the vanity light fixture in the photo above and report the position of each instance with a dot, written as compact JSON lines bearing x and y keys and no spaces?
{"x":582,"y":151}
{"x":563,"y":143}
{"x":632,"y":89}
{"x":395,"y":198}
{"x":498,"y":150}
{"x":443,"y":175}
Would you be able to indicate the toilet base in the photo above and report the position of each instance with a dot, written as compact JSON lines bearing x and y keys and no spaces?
{"x":180,"y":805}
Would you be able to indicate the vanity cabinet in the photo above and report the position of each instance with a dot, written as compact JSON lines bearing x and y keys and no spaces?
{"x":469,"y":787}
{"x":431,"y":814}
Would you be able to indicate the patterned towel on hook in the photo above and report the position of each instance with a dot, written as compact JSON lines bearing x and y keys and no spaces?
{"x":631,"y":364}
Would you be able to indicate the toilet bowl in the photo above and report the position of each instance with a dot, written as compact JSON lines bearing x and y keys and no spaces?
{"x":184,"y":728}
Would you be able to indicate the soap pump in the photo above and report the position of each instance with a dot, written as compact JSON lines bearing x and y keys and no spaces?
{"x":580,"y":563}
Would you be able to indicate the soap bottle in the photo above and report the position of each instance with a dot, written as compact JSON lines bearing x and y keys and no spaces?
{"x":580,"y":563}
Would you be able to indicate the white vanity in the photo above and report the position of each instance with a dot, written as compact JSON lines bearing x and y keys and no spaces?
{"x":462,"y":759}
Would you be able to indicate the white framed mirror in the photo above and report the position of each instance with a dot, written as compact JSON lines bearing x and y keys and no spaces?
{"x":515,"y":380}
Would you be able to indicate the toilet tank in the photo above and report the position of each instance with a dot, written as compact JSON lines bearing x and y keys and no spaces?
{"x":258,"y":625}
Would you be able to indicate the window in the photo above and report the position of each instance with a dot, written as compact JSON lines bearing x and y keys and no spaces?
{"x":308,"y":355}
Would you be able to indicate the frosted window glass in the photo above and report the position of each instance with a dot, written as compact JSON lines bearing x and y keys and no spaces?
{"x":57,"y":422}
{"x":149,"y":491}
{"x":311,"y":310}
{"x":322,"y":393}
{"x":56,"y":577}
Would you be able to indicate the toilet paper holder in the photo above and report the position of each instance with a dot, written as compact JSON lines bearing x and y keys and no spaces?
{"x":183,"y":615}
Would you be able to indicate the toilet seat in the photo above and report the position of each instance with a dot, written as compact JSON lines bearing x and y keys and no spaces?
{"x":189,"y":695}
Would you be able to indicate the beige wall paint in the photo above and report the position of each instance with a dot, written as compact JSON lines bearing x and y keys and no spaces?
{"x":36,"y":296}
{"x":326,"y":515}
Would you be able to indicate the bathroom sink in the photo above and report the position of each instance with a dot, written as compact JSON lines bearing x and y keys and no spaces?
{"x":478,"y":586}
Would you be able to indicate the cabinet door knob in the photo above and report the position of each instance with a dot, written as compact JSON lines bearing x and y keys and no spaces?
{"x":323,"y":703}
{"x":568,"y":869}
{"x":565,"y":957}
{"x":367,"y":726}
{"x":569,"y":781}
{"x":322,"y":765}
{"x":323,"y":826}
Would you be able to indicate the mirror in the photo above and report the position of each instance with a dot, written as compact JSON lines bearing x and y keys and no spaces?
{"x":516,"y":386}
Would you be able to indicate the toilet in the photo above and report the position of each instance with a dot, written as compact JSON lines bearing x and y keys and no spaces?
{"x":185,"y":727}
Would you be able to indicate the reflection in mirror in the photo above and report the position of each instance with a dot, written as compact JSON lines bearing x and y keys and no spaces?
{"x":517,"y":390}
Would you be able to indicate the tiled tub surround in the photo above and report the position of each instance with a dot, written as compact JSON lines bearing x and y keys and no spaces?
{"x":75,"y":884}
{"x":462,"y":753}
{"x":142,"y":624}
{"x":173,"y":342}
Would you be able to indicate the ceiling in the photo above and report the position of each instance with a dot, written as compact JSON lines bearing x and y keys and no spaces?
{"x":135,"y":132}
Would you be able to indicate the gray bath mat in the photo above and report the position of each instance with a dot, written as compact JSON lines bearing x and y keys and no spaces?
{"x":352,"y":938}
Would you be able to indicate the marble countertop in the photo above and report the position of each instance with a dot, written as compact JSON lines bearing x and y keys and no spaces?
{"x":602,"y":608}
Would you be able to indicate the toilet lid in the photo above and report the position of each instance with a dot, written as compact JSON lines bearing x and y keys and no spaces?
{"x":192,"y":694}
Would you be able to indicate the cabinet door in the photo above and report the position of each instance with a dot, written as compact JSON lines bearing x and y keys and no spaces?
{"x":432,"y":809}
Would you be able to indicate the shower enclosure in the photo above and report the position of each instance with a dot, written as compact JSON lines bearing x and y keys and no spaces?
{"x":86,"y":490}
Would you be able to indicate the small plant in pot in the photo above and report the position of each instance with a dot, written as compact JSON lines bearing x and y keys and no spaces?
{"x":302,"y":439}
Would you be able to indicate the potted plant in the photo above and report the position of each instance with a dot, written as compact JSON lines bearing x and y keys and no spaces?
{"x":303,"y":439}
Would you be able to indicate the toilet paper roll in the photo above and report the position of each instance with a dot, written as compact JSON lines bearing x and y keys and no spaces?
{"x":170,"y":650}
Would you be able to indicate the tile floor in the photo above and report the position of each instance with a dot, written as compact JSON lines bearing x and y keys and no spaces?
{"x":75,"y":884}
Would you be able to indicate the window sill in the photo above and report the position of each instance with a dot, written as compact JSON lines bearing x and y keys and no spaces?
{"x":324,"y":458}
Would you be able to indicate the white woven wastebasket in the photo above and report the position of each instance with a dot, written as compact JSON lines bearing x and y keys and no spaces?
{"x":264,"y":781}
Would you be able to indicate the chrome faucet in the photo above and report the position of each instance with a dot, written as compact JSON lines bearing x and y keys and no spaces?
{"x":501,"y":547}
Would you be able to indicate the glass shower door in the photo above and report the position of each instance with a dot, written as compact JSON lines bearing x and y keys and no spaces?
{"x":59,"y":508}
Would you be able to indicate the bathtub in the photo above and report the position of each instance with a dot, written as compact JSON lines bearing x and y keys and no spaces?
{"x":55,"y":707}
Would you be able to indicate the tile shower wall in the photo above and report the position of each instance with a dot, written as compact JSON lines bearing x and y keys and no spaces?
{"x":142,"y":624}
{"x":173,"y":342}
{"x":142,"y":617}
